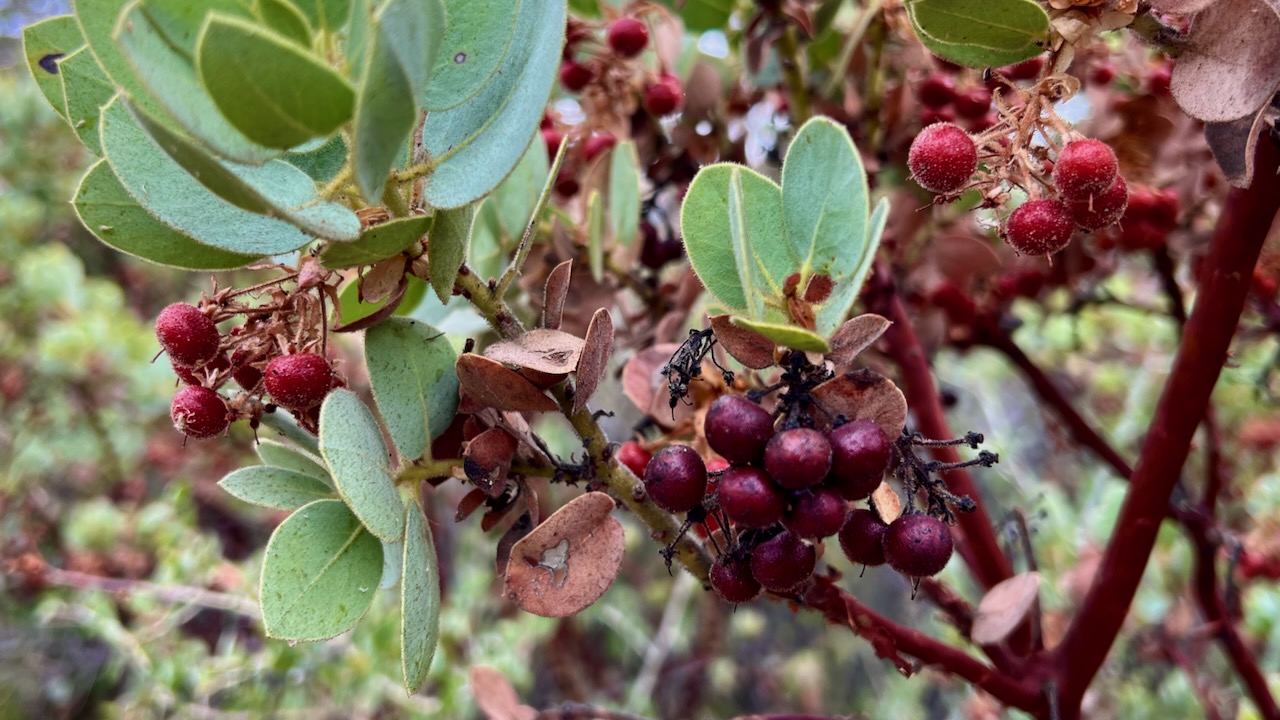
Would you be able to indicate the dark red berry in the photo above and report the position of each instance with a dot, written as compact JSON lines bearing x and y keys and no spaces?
{"x":918,"y":545}
{"x":634,"y":456}
{"x":657,"y":251}
{"x":1103,"y":209}
{"x":185,"y":374}
{"x":783,"y":562}
{"x":1166,"y":208}
{"x":1083,"y":168}
{"x":942,"y":158}
{"x":199,"y":412}
{"x":749,"y":498}
{"x":1102,"y":73}
{"x":299,"y":381}
{"x":862,"y":537}
{"x":246,"y":376}
{"x":598,"y":144}
{"x":1040,"y":227}
{"x":1026,"y":70}
{"x":798,"y":458}
{"x":628,"y":36}
{"x":553,"y":139}
{"x":816,"y":513}
{"x":187,"y":335}
{"x":664,"y":97}
{"x":974,"y":103}
{"x":738,"y":429}
{"x":676,"y":478}
{"x":937,"y":91}
{"x":860,"y":454}
{"x":732,"y":580}
{"x":575,"y":76}
{"x":1159,"y":80}
{"x":933,"y":116}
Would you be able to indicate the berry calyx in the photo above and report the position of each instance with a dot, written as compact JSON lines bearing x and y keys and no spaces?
{"x":918,"y":545}
{"x":798,"y":458}
{"x":299,"y":381}
{"x":860,"y":454}
{"x":199,"y":412}
{"x":1040,"y":227}
{"x":783,"y":562}
{"x":942,"y":158}
{"x":575,"y":76}
{"x":738,"y":429}
{"x":664,"y":97}
{"x":676,"y":478}
{"x":862,"y":537}
{"x":634,"y":457}
{"x":187,"y":335}
{"x":1103,"y":209}
{"x":937,"y":91}
{"x":732,"y":580}
{"x":816,"y":514}
{"x":628,"y":36}
{"x":749,"y":498}
{"x":1085,"y":167}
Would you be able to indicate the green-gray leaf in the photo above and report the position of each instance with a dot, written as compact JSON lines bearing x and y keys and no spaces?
{"x":377,"y":243}
{"x":834,"y":311}
{"x":179,"y":201}
{"x":275,"y":487}
{"x":97,"y":19}
{"x":44,"y":44}
{"x":319,"y":573}
{"x":595,"y":235}
{"x":447,"y":247}
{"x":414,"y":30}
{"x":285,"y":18}
{"x":478,"y":143}
{"x":323,"y":161}
{"x":278,"y":454}
{"x":419,"y":601}
{"x":392,"y":562}
{"x":411,"y":368}
{"x":980,"y":33}
{"x":790,"y":336}
{"x":385,"y":115}
{"x":701,"y":15}
{"x":274,"y":92}
{"x":351,"y":445}
{"x":108,"y":211}
{"x":329,"y":15}
{"x":517,"y":196}
{"x":86,"y":89}
{"x":624,"y":192}
{"x":477,"y":39}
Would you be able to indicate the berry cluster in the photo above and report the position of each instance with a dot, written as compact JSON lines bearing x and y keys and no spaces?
{"x":945,"y":102}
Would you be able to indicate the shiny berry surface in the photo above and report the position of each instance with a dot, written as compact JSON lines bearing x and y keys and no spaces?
{"x":634,"y":457}
{"x":749,"y":498}
{"x":860,"y":454}
{"x":738,"y":429}
{"x":798,"y":458}
{"x":918,"y":545}
{"x":628,"y":36}
{"x":816,"y":514}
{"x":783,"y":562}
{"x":676,"y":478}
{"x":862,"y":537}
{"x":732,"y":580}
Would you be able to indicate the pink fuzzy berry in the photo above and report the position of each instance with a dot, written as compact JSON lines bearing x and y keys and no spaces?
{"x":942,"y":158}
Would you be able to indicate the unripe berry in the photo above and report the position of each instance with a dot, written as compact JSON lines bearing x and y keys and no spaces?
{"x":187,"y":335}
{"x":732,"y":580}
{"x":974,"y":104}
{"x":1103,"y":209}
{"x":199,"y":412}
{"x":798,"y":458}
{"x":634,"y":456}
{"x":942,"y":158}
{"x":738,"y":429}
{"x":575,"y":76}
{"x":749,"y":498}
{"x":862,"y":537}
{"x":1083,"y":168}
{"x":783,"y":562}
{"x":860,"y":454}
{"x":1040,"y":227}
{"x":816,"y":513}
{"x":299,"y":381}
{"x":664,"y":97}
{"x":918,"y":545}
{"x":676,"y":478}
{"x":937,"y":91}
{"x":628,"y":36}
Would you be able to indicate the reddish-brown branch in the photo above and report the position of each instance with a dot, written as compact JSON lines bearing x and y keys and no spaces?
{"x":1225,"y":278}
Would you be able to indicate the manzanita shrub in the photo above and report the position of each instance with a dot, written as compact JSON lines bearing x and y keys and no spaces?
{"x":366,"y":153}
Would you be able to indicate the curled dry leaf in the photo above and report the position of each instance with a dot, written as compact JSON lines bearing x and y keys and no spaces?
{"x":1004,"y":607}
{"x":491,"y":383}
{"x":747,"y":347}
{"x":495,"y":696}
{"x":566,"y":563}
{"x":1233,"y":145}
{"x":518,"y":530}
{"x":487,"y":458}
{"x":642,"y":375}
{"x":594,"y":361}
{"x":887,"y":503}
{"x":469,"y":504}
{"x":1228,"y":68}
{"x":540,"y":379}
{"x":548,"y":351}
{"x":854,"y":336}
{"x":554,"y":294}
{"x":862,"y":395}
{"x":382,"y":279}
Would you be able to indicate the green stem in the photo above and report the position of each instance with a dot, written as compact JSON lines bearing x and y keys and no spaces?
{"x":426,"y":469}
{"x":531,"y":229}
{"x":393,"y":200}
{"x":789,"y":57}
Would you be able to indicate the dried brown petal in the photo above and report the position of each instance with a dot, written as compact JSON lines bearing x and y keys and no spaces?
{"x":1233,"y":145}
{"x":1228,"y":69}
{"x":747,"y":347}
{"x":492,"y":384}
{"x":495,"y":696}
{"x":469,"y":504}
{"x":487,"y":458}
{"x":862,"y":395}
{"x":856,"y":335}
{"x":548,"y":351}
{"x":886,"y":501}
{"x":554,"y":294}
{"x":540,"y":379}
{"x":566,"y":563}
{"x":642,"y":374}
{"x":594,"y":362}
{"x":518,"y":529}
{"x":1004,"y":607}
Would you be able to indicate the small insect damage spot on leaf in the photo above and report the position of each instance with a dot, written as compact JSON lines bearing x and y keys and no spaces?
{"x":49,"y":63}
{"x":459,"y":58}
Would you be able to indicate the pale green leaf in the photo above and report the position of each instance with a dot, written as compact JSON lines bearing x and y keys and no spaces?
{"x":624,"y":192}
{"x":97,"y":20}
{"x":351,"y":445}
{"x":86,"y":90}
{"x":980,"y":33}
{"x":414,"y":30}
{"x":796,"y":338}
{"x":328,"y":15}
{"x":285,"y":18}
{"x":517,"y":196}
{"x":43,"y":45}
{"x":377,"y":243}
{"x":385,"y":116}
{"x":699,"y":15}
{"x":833,"y":312}
{"x":323,"y":161}
{"x":595,"y":235}
{"x":274,"y":487}
{"x":487,"y":254}
{"x":447,"y":248}
{"x":392,"y":563}
{"x":278,"y":454}
{"x":419,"y":601}
{"x":478,"y":37}
{"x":411,"y":368}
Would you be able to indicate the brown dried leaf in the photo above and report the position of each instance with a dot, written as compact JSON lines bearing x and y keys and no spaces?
{"x":387,"y":310}
{"x":487,"y":458}
{"x":1181,"y":7}
{"x":548,"y":351}
{"x":554,"y":294}
{"x":862,"y":395}
{"x":518,"y":530}
{"x":495,"y":696}
{"x":382,"y":279}
{"x":496,"y":515}
{"x":642,"y":374}
{"x":569,"y":561}
{"x":818,"y":289}
{"x":469,"y":504}
{"x":856,"y":335}
{"x":1233,"y":145}
{"x":749,"y":348}
{"x":594,"y":361}
{"x":491,"y":383}
{"x":888,"y":504}
{"x":1228,"y":68}
{"x":1004,"y":607}
{"x":962,"y":257}
{"x":540,"y":379}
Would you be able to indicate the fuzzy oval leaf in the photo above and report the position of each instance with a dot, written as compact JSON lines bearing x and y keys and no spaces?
{"x":414,"y":30}
{"x":855,"y":335}
{"x":478,"y":37}
{"x":746,"y":346}
{"x":548,"y":351}
{"x":319,"y":573}
{"x":284,"y":18}
{"x":274,"y":92}
{"x":491,"y":383}
{"x":597,"y":348}
{"x":624,"y":192}
{"x":392,"y":564}
{"x":832,"y":313}
{"x":699,"y":15}
{"x":86,"y":89}
{"x":414,"y":382}
{"x":554,"y":294}
{"x":108,"y":211}
{"x":351,"y":445}
{"x":384,"y":115}
{"x":329,"y":15}
{"x":980,"y":33}
{"x":517,"y":197}
{"x":419,"y":601}
{"x":1004,"y":607}
{"x":478,"y":143}
{"x":447,"y":248}
{"x":322,"y":162}
{"x":376,"y":243}
{"x":97,"y":20}
{"x":796,"y":338}
{"x":1228,"y":67}
{"x":280,"y":455}
{"x":43,"y":45}
{"x":169,"y":193}
{"x":275,"y":487}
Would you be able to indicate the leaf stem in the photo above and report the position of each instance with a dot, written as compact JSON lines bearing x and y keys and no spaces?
{"x":531,"y":228}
